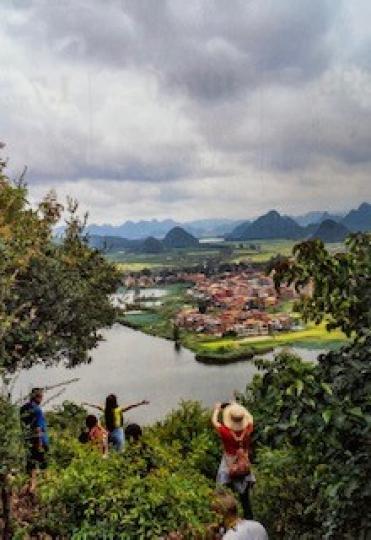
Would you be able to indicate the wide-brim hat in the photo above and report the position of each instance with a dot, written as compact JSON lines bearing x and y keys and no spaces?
{"x":237,"y":417}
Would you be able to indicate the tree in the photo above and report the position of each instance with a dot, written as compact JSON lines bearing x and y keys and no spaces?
{"x":54,"y":299}
{"x":324,"y":410}
{"x":340,"y":284}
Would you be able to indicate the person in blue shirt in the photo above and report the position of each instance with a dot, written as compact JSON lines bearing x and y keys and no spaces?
{"x":35,"y":433}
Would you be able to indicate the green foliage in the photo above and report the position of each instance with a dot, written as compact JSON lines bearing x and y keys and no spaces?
{"x":282,"y":495}
{"x":323,"y":411}
{"x":154,"y":487}
{"x":11,"y":450}
{"x":189,"y":427}
{"x":341,"y":283}
{"x":68,"y":417}
{"x":54,"y":297}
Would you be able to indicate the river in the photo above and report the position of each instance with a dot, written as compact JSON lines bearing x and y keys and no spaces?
{"x":136,"y":366}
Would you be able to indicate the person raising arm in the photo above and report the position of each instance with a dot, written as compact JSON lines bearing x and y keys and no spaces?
{"x":113,"y":415}
{"x":235,"y":429}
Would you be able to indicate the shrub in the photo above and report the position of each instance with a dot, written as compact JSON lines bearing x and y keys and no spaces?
{"x":190,"y":427}
{"x":122,"y":497}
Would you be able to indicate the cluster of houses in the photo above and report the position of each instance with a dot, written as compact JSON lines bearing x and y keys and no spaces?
{"x":236,"y":303}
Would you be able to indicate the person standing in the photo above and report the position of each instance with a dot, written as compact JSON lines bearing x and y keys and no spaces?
{"x":114,"y":420}
{"x":235,"y":432}
{"x":35,"y":435}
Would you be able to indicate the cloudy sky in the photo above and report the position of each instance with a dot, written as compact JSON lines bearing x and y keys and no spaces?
{"x":189,"y":109}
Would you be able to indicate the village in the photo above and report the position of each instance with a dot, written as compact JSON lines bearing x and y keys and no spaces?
{"x":241,"y":303}
{"x":237,"y":304}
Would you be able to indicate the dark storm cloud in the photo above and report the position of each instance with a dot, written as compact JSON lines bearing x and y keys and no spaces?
{"x":211,"y":49}
{"x":133,"y":171}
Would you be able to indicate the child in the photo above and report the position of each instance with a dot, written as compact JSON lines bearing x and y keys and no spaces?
{"x":97,"y":435}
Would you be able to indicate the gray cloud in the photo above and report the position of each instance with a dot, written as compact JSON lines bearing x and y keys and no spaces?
{"x":212,"y":49}
{"x":188,"y":100}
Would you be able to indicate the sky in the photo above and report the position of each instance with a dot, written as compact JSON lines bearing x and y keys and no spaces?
{"x":190,"y":109}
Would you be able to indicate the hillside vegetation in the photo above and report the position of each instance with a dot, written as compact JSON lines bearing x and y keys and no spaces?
{"x":312,"y":421}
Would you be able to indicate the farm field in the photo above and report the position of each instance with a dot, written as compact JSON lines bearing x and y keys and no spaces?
{"x":312,"y":336}
{"x":226,"y":252}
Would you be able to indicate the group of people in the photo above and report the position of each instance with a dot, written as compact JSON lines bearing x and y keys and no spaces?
{"x":232,"y":422}
{"x":113,"y":434}
{"x":101,"y":438}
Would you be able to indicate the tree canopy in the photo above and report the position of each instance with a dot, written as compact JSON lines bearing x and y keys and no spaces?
{"x":323,"y":411}
{"x":54,"y":295}
{"x":340,"y":283}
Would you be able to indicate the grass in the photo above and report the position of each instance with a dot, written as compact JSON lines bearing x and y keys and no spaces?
{"x":313,"y":336}
{"x":134,"y":262}
{"x":136,"y":266}
{"x":268,"y":249}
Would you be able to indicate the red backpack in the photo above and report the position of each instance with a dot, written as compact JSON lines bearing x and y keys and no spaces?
{"x":241,"y":465}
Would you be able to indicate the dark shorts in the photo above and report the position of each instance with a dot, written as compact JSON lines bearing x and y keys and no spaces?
{"x":36,"y":458}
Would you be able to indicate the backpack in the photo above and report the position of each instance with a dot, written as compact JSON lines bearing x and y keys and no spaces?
{"x":240,"y":466}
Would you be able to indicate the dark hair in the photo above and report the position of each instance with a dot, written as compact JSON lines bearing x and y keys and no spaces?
{"x":91,"y":421}
{"x":83,"y":437}
{"x":133,"y":432}
{"x":35,"y":392}
{"x":111,"y":404}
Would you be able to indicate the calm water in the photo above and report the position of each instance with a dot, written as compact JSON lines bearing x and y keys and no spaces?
{"x":136,"y":366}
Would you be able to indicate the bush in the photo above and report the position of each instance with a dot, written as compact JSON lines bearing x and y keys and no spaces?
{"x":282,"y":495}
{"x":190,"y":427}
{"x":122,"y":495}
{"x":320,"y":411}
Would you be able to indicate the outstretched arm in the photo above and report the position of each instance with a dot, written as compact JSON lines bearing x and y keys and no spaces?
{"x":128,"y":407}
{"x":215,"y":417}
{"x":98,"y":407}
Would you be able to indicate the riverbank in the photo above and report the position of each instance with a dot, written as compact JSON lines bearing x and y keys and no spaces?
{"x":158,"y":321}
{"x":229,"y":357}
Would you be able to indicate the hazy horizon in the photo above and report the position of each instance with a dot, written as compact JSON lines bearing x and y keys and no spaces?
{"x":188,"y":110}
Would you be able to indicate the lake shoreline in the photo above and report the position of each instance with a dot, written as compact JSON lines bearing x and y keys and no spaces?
{"x":220,"y":358}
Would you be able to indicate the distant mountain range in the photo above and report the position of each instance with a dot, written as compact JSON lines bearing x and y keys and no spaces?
{"x":360,"y":219}
{"x":270,"y":225}
{"x":134,"y":230}
{"x":175,"y":238}
{"x":316,"y":217}
{"x":131,"y":230}
{"x":274,"y":225}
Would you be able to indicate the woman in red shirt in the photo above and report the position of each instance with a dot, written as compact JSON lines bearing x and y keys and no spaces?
{"x":235,"y":433}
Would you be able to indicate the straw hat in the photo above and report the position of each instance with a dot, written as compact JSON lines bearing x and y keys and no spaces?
{"x":236,"y":417}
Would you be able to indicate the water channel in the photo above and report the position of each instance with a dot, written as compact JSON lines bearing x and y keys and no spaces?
{"x":136,"y":366}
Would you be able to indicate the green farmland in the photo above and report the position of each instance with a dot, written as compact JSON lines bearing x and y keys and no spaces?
{"x":187,"y":257}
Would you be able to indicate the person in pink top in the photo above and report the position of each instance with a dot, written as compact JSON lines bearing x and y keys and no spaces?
{"x":235,"y":431}
{"x":97,"y":435}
